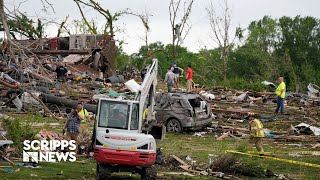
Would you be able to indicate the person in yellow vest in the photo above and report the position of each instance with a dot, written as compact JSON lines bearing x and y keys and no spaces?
{"x":145,"y":115}
{"x":281,"y":93}
{"x":256,"y":133}
{"x":83,"y":113}
{"x":84,"y":117}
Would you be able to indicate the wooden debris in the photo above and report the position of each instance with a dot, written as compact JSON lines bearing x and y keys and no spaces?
{"x":296,"y":176}
{"x":188,"y":168}
{"x":5,"y":166}
{"x":316,"y":146}
{"x":175,"y":173}
{"x":301,"y":138}
{"x":7,"y":159}
{"x":179,"y":160}
{"x":224,"y":135}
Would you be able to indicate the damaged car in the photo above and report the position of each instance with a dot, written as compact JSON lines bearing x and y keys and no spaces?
{"x":182,"y":111}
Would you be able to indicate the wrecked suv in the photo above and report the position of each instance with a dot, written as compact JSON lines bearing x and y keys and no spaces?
{"x":181,"y":111}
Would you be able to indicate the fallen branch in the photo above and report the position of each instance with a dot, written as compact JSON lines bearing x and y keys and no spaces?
{"x":8,"y":84}
{"x":46,"y":109}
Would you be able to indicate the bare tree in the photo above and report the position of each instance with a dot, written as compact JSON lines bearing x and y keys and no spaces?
{"x":5,"y":24}
{"x":180,"y":27}
{"x":145,"y":19}
{"x":109,"y":27}
{"x":21,"y":50}
{"x":62,"y":25}
{"x":24,"y":26}
{"x":74,"y":27}
{"x":220,"y":22}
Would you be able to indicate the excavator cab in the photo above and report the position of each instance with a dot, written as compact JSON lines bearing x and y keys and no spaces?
{"x":117,"y":136}
{"x":122,"y":139}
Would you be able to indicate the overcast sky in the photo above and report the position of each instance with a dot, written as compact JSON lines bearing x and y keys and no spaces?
{"x":243,"y":12}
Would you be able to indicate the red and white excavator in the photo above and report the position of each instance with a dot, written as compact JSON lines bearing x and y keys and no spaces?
{"x":121,"y":141}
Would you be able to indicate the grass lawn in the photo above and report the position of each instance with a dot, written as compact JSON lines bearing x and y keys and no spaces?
{"x":181,"y":145}
{"x":198,"y":148}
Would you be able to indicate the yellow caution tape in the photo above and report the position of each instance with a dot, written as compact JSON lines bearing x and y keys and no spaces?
{"x":294,"y":152}
{"x":305,"y":152}
{"x":256,"y":152}
{"x":277,"y":159}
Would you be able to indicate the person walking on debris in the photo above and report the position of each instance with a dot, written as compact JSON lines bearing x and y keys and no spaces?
{"x":189,"y":78}
{"x":170,"y":79}
{"x":84,"y":117}
{"x":177,"y":71}
{"x":281,"y":92}
{"x":61,"y":73}
{"x":83,"y":113}
{"x":72,"y":126}
{"x":256,"y":133}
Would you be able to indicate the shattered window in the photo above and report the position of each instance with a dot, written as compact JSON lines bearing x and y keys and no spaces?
{"x":177,"y":104}
{"x":135,"y":117}
{"x":114,"y":115}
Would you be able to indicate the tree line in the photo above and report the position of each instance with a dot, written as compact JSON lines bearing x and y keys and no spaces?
{"x":266,"y":49}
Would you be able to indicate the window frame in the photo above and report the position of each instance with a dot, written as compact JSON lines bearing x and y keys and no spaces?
{"x":129,"y":103}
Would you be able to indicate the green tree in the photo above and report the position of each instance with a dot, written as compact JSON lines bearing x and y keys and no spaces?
{"x":20,"y":24}
{"x":299,"y":42}
{"x":256,"y":57}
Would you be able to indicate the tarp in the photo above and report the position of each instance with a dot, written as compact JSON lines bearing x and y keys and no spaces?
{"x":7,"y":77}
{"x":27,"y":98}
{"x":132,"y":85}
{"x":267,"y":83}
{"x":241,"y":97}
{"x":72,"y":58}
{"x":207,"y":96}
{"x":304,"y":126}
{"x":18,"y":103}
{"x":313,"y":90}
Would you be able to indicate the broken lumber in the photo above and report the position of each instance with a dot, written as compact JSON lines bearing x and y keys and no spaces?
{"x":40,"y":77}
{"x":73,"y":51}
{"x":5,"y":166}
{"x":8,"y":84}
{"x":224,"y":135}
{"x":7,"y":159}
{"x":187,"y":168}
{"x":179,"y":160}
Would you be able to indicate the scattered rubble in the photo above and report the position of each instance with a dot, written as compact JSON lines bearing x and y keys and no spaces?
{"x":30,"y":83}
{"x":304,"y":128}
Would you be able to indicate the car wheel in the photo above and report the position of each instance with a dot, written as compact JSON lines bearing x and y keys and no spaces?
{"x":174,"y":125}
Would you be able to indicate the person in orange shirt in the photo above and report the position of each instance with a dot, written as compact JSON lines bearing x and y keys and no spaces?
{"x":189,"y":78}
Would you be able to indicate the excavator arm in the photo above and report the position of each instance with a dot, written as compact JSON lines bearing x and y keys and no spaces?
{"x":145,"y":96}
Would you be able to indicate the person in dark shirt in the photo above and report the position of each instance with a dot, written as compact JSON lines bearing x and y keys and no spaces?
{"x":61,"y":73}
{"x":177,"y":71}
{"x":72,"y":125}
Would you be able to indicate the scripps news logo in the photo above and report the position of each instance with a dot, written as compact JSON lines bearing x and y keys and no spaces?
{"x":49,"y":151}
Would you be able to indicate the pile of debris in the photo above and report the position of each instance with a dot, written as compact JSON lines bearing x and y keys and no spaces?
{"x":224,"y":166}
{"x":311,"y":99}
{"x":29,"y":80}
{"x":49,"y":135}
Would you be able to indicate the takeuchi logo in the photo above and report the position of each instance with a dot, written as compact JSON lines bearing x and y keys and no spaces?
{"x":49,"y":151}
